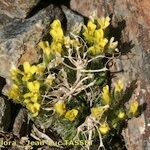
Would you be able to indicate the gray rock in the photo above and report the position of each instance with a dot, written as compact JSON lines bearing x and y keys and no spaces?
{"x":4,"y":20}
{"x":17,"y":8}
{"x":18,"y":39}
{"x":72,"y":18}
{"x":21,"y":123}
{"x":5,"y":114}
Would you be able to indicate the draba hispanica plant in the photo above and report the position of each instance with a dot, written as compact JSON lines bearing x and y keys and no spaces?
{"x":67,"y":90}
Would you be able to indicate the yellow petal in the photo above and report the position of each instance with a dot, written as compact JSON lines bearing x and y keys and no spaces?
{"x":133,"y":107}
{"x":33,"y":69}
{"x":95,"y":50}
{"x":43,"y":44}
{"x":91,"y":27}
{"x":33,"y":107}
{"x":103,"y":42}
{"x":37,"y":106}
{"x":89,"y":32}
{"x":56,"y":47}
{"x":60,"y":108}
{"x":99,"y":34}
{"x":26,"y":77}
{"x":49,"y":79}
{"x":14,"y":92}
{"x":14,"y":72}
{"x":104,"y":128}
{"x":33,"y":86}
{"x":26,"y":67}
{"x":45,"y":47}
{"x":106,"y":99}
{"x":119,"y":86}
{"x":97,"y":112}
{"x":56,"y":31}
{"x":56,"y":24}
{"x":40,"y":69}
{"x":35,"y":97}
{"x":26,"y":101}
{"x":28,"y":95}
{"x":104,"y":22}
{"x":121,"y":114}
{"x":35,"y":114}
{"x":71,"y":114}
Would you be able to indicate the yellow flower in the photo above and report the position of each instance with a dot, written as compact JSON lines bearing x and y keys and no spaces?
{"x":90,"y":28}
{"x":95,"y":50}
{"x":69,"y":42}
{"x":71,"y":114}
{"x":119,"y":86}
{"x":97,"y":112}
{"x":32,"y":96}
{"x":34,"y":108}
{"x":106,"y":99}
{"x":28,"y":71}
{"x":34,"y":93}
{"x":56,"y":47}
{"x":56,"y":24}
{"x":33,"y":86}
{"x":121,"y":114}
{"x":133,"y":107}
{"x":104,"y":22}
{"x":27,"y":101}
{"x":14,"y":72}
{"x":89,"y":32}
{"x":49,"y":79}
{"x":14,"y":92}
{"x":40,"y":69}
{"x":56,"y":31}
{"x":104,"y":128}
{"x":44,"y":45}
{"x":28,"y":68}
{"x":102,"y":43}
{"x":99,"y":34}
{"x":60,"y":108}
{"x":99,"y":43}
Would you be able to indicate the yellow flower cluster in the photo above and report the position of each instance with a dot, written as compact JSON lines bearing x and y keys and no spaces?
{"x":31,"y":99}
{"x":28,"y":71}
{"x":57,"y":40}
{"x":26,"y":89}
{"x":97,"y":112}
{"x":61,"y":110}
{"x":14,"y":92}
{"x":107,"y":99}
{"x":94,"y":34}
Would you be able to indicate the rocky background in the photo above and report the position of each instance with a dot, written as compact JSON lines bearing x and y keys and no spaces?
{"x":23,"y":23}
